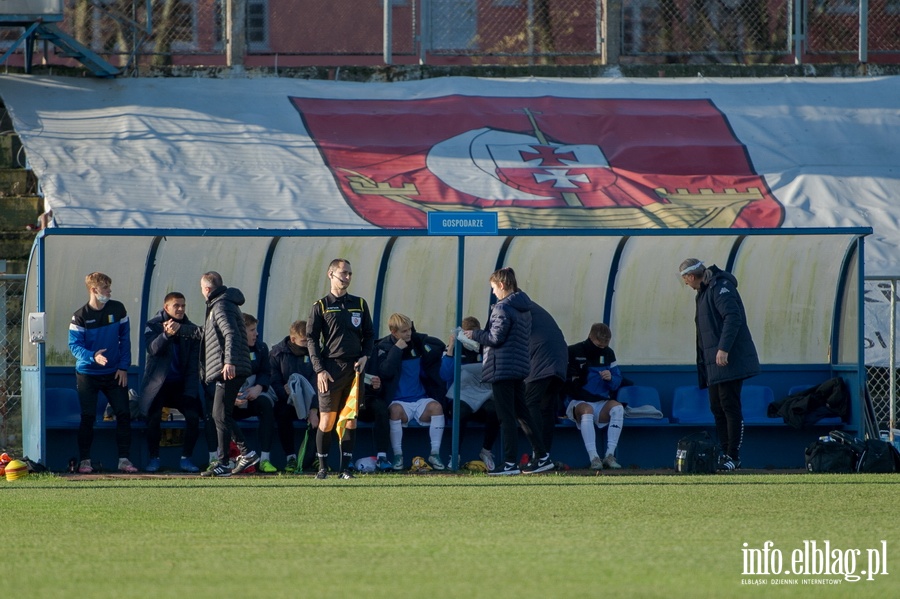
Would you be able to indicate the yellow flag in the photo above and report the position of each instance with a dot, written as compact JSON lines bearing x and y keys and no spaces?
{"x":350,"y":408}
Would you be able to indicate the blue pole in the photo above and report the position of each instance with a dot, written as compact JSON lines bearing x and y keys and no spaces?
{"x":457,"y":348}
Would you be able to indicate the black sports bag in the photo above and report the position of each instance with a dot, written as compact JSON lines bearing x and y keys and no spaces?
{"x":696,"y":454}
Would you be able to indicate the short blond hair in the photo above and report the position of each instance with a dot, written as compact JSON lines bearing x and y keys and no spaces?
{"x":298,"y":327}
{"x":96,"y":279}
{"x":399,"y":321}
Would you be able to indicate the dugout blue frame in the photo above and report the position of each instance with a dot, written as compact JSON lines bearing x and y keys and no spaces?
{"x":846,"y":307}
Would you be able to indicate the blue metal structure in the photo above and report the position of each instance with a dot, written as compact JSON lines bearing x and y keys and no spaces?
{"x":847,"y":302}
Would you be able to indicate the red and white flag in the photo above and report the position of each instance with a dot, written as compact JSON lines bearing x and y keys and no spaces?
{"x":540,"y":162}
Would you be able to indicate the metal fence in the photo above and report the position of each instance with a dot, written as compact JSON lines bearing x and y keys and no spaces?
{"x":741,"y":30}
{"x":135,"y":33}
{"x":12,"y":292}
{"x":882,"y":337}
{"x":760,"y":30}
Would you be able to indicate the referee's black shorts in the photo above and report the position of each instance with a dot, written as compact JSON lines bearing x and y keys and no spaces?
{"x":334,"y":399}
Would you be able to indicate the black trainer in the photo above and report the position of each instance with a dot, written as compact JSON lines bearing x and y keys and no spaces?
{"x":245,"y":461}
{"x":322,"y":474}
{"x":508,"y":469}
{"x":346,"y":474}
{"x":728,"y":464}
{"x":542,"y":465}
{"x":220,"y":469}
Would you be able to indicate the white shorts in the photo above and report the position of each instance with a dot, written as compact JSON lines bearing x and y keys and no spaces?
{"x":414,"y":409}
{"x":597,"y":405}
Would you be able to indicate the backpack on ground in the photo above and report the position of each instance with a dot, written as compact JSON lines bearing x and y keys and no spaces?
{"x":869,"y":455}
{"x":696,"y":454}
{"x":878,"y":456}
{"x":828,"y":455}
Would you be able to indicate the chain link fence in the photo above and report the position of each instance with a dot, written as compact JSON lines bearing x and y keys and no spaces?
{"x":136,"y":33}
{"x":880,"y":346}
{"x":153,"y":32}
{"x":538,"y":30}
{"x":748,"y":31}
{"x":833,"y":27}
{"x":12,"y":291}
{"x":732,"y":30}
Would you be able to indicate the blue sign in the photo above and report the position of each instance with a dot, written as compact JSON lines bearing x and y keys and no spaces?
{"x":463,"y":223}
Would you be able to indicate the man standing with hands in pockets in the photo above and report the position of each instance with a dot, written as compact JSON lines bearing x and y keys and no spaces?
{"x":341,"y":337}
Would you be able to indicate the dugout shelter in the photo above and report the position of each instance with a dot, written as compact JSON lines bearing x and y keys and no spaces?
{"x":802,"y":288}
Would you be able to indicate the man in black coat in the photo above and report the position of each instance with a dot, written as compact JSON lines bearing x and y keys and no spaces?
{"x":225,"y":365}
{"x":726,"y":354}
{"x":171,"y":378}
{"x":549,"y":364}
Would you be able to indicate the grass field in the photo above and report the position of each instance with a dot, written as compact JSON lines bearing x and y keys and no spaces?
{"x":439,"y":536}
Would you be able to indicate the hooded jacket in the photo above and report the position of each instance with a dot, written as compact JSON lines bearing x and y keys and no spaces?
{"x":547,"y":347}
{"x":224,"y":335}
{"x":722,"y":324}
{"x":506,"y":341}
{"x":161,"y":350}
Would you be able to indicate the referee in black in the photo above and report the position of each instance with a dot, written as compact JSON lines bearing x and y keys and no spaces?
{"x":341,"y":338}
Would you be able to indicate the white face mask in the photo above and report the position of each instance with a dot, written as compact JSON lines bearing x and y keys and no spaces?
{"x":102,"y":298}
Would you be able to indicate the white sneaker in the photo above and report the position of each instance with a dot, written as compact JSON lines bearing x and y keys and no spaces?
{"x":597,"y":463}
{"x":487,"y":457}
{"x":610,"y":462}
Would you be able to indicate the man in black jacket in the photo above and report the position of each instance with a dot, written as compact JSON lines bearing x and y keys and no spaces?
{"x":225,"y":365}
{"x":726,"y":354}
{"x":408,"y":365}
{"x":288,"y":358}
{"x":549,"y":366}
{"x":594,"y":377}
{"x":256,"y":397}
{"x":171,"y":378}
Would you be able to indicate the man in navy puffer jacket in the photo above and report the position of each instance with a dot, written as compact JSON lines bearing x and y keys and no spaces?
{"x":506,"y":365}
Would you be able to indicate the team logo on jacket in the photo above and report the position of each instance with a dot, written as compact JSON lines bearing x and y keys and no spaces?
{"x":545,"y":162}
{"x":356,"y":319}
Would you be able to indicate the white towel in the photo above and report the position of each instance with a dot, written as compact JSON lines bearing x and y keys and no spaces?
{"x":642,"y":412}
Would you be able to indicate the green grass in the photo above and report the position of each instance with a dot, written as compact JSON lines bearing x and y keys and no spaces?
{"x":434,"y":536}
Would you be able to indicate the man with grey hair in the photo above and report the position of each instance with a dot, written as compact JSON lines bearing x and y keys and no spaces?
{"x":224,"y":366}
{"x":726,"y":354}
